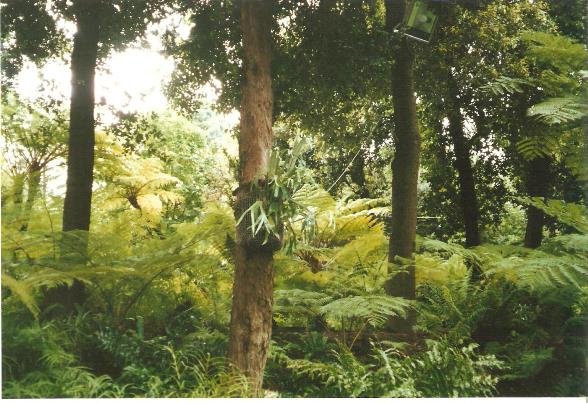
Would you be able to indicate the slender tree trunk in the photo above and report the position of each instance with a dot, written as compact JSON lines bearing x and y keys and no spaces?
{"x":584,"y":182}
{"x":16,"y":195}
{"x":80,"y":161}
{"x":537,"y":184}
{"x":18,"y":182}
{"x":358,"y":175}
{"x":405,"y":169}
{"x":251,"y":314}
{"x":463,"y":166}
{"x":34,"y":186}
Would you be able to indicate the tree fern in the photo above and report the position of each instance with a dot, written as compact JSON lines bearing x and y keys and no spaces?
{"x":506,"y":85}
{"x":574,"y":215}
{"x":537,"y":146}
{"x":559,"y":110}
{"x":121,"y":276}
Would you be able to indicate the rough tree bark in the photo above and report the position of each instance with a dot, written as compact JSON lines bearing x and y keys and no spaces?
{"x":537,"y":184}
{"x":463,"y":166}
{"x":251,"y":313}
{"x":80,"y":161}
{"x":405,"y":169}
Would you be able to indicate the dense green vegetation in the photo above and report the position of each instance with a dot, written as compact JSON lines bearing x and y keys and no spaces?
{"x":268,"y":259}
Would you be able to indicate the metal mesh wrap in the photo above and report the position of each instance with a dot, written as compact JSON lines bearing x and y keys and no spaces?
{"x":246,"y":198}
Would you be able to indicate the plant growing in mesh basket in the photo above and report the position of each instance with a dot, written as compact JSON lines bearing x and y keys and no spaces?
{"x":273,"y":203}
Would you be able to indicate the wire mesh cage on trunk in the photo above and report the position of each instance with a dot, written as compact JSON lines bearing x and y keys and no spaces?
{"x":245,"y":236}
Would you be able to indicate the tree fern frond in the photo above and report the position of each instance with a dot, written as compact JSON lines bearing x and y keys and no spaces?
{"x":374,"y":309}
{"x":23,"y":291}
{"x":365,"y":249}
{"x":362,"y":205}
{"x":301,"y":297}
{"x":576,"y":244}
{"x":537,"y":147}
{"x":574,"y":215}
{"x":440,"y":271}
{"x":312,"y":195}
{"x":542,"y":271}
{"x":559,"y":110}
{"x":50,"y":278}
{"x":446,"y":250}
{"x":505,"y":85}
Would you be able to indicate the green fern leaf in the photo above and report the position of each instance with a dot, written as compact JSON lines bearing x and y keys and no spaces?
{"x":374,"y":309}
{"x":23,"y":291}
{"x":559,"y":110}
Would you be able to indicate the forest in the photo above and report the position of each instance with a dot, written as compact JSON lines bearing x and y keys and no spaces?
{"x":294,"y":198}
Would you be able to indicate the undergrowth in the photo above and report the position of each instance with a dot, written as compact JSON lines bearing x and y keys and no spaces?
{"x":494,"y":320}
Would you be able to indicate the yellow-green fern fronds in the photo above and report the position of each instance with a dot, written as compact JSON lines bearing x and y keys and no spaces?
{"x":574,"y":215}
{"x":375,"y":310}
{"x":23,"y":291}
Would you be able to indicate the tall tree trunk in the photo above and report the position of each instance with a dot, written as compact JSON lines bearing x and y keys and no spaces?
{"x":80,"y":161}
{"x":405,"y":169}
{"x":34,"y":186}
{"x":17,"y":191}
{"x":585,"y":126}
{"x":18,"y":182}
{"x":358,"y":175}
{"x":463,"y":166}
{"x":251,"y":314}
{"x":537,"y":184}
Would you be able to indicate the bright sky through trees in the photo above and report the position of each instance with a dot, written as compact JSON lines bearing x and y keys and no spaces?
{"x":131,"y":81}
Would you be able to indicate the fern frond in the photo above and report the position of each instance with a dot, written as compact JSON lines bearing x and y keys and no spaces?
{"x":537,"y":147}
{"x":374,"y":309}
{"x":432,"y":269}
{"x":300,"y":298}
{"x":366,"y":249}
{"x":446,"y":250}
{"x":362,"y":205}
{"x":574,"y":215}
{"x":505,"y":85}
{"x":559,"y":110}
{"x":542,"y":271}
{"x":23,"y":291}
{"x":51,"y":278}
{"x":576,"y":244}
{"x":312,"y":195}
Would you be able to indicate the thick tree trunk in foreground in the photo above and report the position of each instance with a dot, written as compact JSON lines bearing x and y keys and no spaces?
{"x":537,"y":184}
{"x":251,"y":314}
{"x":463,"y":166}
{"x":80,"y":161}
{"x":405,"y":169}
